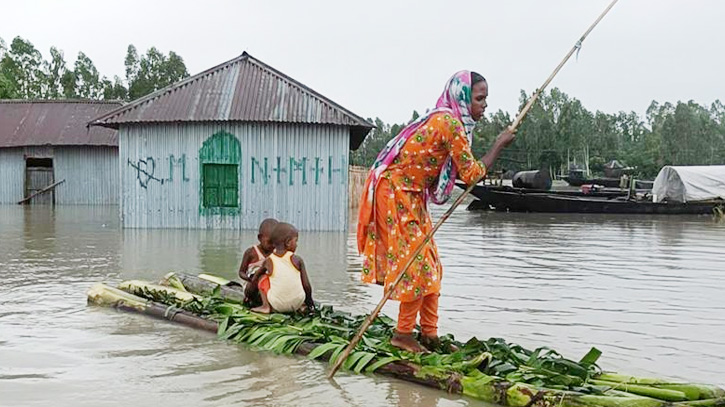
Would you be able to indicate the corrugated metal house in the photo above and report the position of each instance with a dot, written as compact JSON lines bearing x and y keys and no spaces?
{"x":44,"y":141}
{"x":231,"y":146}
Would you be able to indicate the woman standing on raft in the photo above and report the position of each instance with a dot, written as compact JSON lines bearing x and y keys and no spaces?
{"x":419,"y":165}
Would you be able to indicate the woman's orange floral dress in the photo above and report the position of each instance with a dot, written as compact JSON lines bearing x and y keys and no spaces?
{"x":397,"y":221}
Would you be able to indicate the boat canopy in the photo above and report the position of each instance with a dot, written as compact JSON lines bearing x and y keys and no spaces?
{"x":689,"y":183}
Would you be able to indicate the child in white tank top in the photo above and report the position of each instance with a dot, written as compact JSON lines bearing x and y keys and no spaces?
{"x":282,"y":279}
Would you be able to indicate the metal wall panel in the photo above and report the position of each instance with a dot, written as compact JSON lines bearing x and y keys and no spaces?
{"x":12,"y":175}
{"x":90,"y":173}
{"x":284,"y":173}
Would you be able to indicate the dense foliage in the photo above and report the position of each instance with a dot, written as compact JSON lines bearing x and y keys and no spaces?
{"x":559,"y":131}
{"x":25,"y":74}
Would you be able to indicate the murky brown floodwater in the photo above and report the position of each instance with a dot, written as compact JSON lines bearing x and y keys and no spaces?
{"x":648,"y":291}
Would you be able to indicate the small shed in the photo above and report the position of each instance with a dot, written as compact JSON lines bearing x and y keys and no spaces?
{"x":689,"y":183}
{"x":46,"y":141}
{"x":234,"y":145}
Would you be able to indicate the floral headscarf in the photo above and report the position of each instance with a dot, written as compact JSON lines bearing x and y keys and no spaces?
{"x":455,"y":100}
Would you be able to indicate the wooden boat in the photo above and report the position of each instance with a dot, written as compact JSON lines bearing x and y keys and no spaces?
{"x":598,"y":192}
{"x":493,"y":370}
{"x":606,"y":182}
{"x":577,"y":182}
{"x":508,"y":199}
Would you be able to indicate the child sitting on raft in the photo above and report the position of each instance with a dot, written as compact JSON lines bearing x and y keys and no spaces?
{"x":282,"y":279}
{"x":255,"y":255}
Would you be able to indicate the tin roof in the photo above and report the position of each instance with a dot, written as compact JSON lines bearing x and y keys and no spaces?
{"x":242,"y":89}
{"x":54,"y":122}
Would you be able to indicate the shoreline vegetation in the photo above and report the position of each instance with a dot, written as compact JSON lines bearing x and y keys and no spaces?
{"x":557,"y":132}
{"x":492,"y":370}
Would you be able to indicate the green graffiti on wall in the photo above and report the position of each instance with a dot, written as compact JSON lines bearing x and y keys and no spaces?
{"x":146,"y":170}
{"x":297,"y":170}
{"x":294,"y":166}
{"x":180,"y":162}
{"x":221,"y":172}
{"x":279,"y":169}
{"x":258,"y":168}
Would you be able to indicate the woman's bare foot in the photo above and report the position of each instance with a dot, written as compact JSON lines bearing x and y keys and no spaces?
{"x":406,"y":342}
{"x":433,"y":344}
{"x":264,"y":309}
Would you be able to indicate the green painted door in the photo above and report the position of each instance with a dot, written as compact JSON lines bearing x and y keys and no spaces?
{"x":220,"y":158}
{"x":221,"y":185}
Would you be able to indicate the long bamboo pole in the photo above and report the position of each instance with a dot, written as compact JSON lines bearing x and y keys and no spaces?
{"x":548,"y":80}
{"x":513,"y":127}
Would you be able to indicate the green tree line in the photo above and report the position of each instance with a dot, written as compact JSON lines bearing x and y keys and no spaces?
{"x":26,"y":74}
{"x":559,"y":131}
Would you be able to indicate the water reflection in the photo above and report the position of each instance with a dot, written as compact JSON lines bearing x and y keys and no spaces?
{"x":645,"y":290}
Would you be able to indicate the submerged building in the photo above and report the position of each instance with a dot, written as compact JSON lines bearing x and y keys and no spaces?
{"x":47,"y":141}
{"x":231,"y":146}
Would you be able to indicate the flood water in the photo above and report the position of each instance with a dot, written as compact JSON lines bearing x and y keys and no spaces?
{"x":649,"y":291}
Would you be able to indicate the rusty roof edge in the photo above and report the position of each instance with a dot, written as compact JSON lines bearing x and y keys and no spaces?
{"x":364,"y":123}
{"x":99,"y":121}
{"x":64,"y":101}
{"x":167,"y":89}
{"x":40,"y":144}
{"x":116,"y":126}
{"x":259,"y":121}
{"x":357,"y":133}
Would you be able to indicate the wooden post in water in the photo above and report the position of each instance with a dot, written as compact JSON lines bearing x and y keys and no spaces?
{"x":356,"y":181}
{"x":42,"y":191}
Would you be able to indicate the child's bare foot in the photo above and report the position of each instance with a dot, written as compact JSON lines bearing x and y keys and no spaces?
{"x":264,"y":309}
{"x":406,"y":342}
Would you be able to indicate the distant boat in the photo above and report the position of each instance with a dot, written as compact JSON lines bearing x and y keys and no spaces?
{"x":605,"y":182}
{"x":613,"y":173}
{"x":507,"y":199}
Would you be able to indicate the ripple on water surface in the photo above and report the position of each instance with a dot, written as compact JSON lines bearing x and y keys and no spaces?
{"x":648,"y":291}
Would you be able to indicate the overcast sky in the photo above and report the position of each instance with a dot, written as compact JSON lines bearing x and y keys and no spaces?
{"x":387,"y":58}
